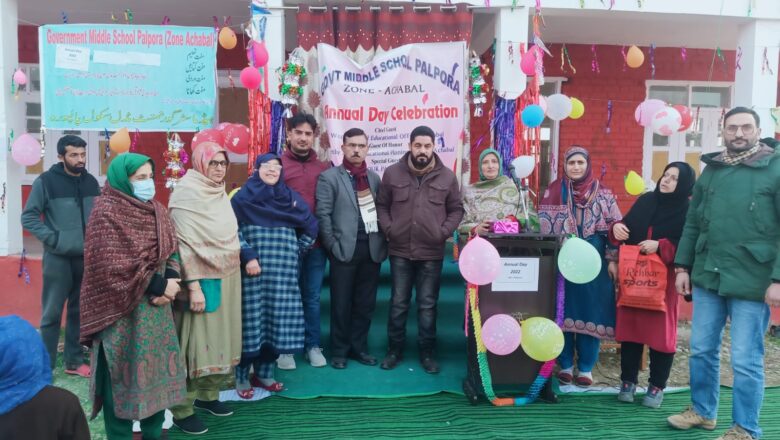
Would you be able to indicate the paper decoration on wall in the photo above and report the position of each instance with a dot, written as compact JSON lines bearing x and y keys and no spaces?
{"x":479,"y":89}
{"x":292,"y":77}
{"x":175,"y":159}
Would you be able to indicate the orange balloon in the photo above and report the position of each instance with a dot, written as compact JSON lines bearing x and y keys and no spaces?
{"x":119,"y":142}
{"x":635,"y":57}
{"x":227,"y":38}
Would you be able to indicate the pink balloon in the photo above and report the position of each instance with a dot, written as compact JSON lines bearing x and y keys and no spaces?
{"x":543,"y":103}
{"x":207,"y":135}
{"x":19,"y":77}
{"x":501,"y":334}
{"x":646,"y":110}
{"x":260,"y":53}
{"x":251,"y":78}
{"x":479,"y":262}
{"x":528,"y":61}
{"x":26,"y":150}
{"x":236,"y":138}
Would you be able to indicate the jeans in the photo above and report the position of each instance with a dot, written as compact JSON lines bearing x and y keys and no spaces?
{"x":749,"y":321}
{"x":61,"y":282}
{"x":587,"y":351}
{"x":425,"y":277}
{"x":310,"y":281}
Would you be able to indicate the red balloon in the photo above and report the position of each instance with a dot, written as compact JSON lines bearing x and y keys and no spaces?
{"x":236,"y":138}
{"x":207,"y":135}
{"x":251,"y":78}
{"x":222,"y":126}
{"x":687,"y":117}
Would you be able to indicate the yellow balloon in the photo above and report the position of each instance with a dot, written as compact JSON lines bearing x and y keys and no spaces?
{"x":634,"y":183}
{"x":119,"y":142}
{"x":577,"y":108}
{"x":542,"y":339}
{"x":227,"y":38}
{"x":635,"y":57}
{"x":232,"y":193}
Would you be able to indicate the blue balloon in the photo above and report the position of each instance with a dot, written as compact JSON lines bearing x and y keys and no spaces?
{"x":532,"y":116}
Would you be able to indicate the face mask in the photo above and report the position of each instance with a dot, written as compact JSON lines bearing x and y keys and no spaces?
{"x":143,"y":189}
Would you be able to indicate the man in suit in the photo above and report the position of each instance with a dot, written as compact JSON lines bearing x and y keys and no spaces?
{"x":349,"y":232}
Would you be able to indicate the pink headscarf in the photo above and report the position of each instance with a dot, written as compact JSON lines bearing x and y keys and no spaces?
{"x":203,"y":153}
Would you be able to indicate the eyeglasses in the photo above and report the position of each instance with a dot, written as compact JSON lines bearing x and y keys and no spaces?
{"x":270,"y":167}
{"x":747,"y":129}
{"x":218,"y":163}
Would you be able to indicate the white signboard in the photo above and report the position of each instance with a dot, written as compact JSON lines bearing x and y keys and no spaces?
{"x":517,"y":275}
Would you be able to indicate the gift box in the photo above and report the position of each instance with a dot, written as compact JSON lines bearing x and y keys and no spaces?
{"x":506,"y":227}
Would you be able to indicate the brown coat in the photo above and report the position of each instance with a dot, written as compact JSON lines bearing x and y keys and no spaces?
{"x":418,"y":217}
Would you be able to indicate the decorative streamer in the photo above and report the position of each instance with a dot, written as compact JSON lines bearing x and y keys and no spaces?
{"x":594,"y":64}
{"x":639,"y":3}
{"x":231,"y":80}
{"x":2,"y":199}
{"x":608,"y":128}
{"x":478,"y":86}
{"x":737,"y":63}
{"x":136,"y":136}
{"x":166,"y":21}
{"x":278,"y":134}
{"x":504,"y":129}
{"x":719,"y":54}
{"x":64,"y":17}
{"x":750,"y":7}
{"x":107,"y":148}
{"x":176,"y":158}
{"x":684,"y":54}
{"x":23,"y":271}
{"x":259,"y":127}
{"x":128,"y":16}
{"x":765,"y":67}
{"x":565,"y":52}
{"x":216,"y":23}
{"x":43,"y":141}
{"x":113,"y":18}
{"x":652,"y":60}
{"x":582,"y":4}
{"x":625,"y":57}
{"x":10,"y":139}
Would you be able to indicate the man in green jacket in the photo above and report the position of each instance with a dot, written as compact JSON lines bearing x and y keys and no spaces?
{"x":728,"y":250}
{"x":63,"y":196}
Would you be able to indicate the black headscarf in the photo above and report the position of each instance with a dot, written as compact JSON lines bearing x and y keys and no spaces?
{"x":665,"y":213}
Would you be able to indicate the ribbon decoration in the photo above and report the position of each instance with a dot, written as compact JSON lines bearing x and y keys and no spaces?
{"x":2,"y":199}
{"x":10,"y":139}
{"x":582,"y":4}
{"x":136,"y":135}
{"x":652,"y":60}
{"x":113,"y":18}
{"x":684,"y":54}
{"x":594,"y":64}
{"x":107,"y":148}
{"x":64,"y":17}
{"x":511,"y":50}
{"x":625,"y":57}
{"x":166,"y":20}
{"x":129,"y":16}
{"x":43,"y":141}
{"x":750,"y":7}
{"x":216,"y":23}
{"x":608,"y":128}
{"x":639,"y":3}
{"x":565,"y":52}
{"x":719,"y":54}
{"x":23,"y":271}
{"x":737,"y":65}
{"x":765,"y":67}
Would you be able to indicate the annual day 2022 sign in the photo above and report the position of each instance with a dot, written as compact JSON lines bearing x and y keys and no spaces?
{"x":146,"y":78}
{"x":416,"y":84}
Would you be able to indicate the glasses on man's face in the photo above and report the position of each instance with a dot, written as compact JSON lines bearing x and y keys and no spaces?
{"x":747,"y":129}
{"x":270,"y":167}
{"x":218,"y":164}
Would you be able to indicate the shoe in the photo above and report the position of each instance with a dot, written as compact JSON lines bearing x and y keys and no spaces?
{"x":215,"y":407}
{"x":391,"y":360}
{"x":246,"y":394}
{"x":364,"y":358}
{"x":191,"y":425}
{"x":338,"y":363}
{"x":315,"y":357}
{"x":429,"y":363}
{"x":565,"y":378}
{"x":82,"y":370}
{"x":654,"y":397}
{"x":690,"y":419}
{"x":286,"y":362}
{"x":735,"y":433}
{"x":583,"y":381}
{"x":627,"y":391}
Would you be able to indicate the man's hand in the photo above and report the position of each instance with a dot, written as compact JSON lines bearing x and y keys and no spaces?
{"x":683,"y":283}
{"x":773,"y":295}
{"x":253,"y":268}
{"x":620,"y":232}
{"x":172,"y":288}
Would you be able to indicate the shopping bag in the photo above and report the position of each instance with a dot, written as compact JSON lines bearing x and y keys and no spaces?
{"x":642,"y":280}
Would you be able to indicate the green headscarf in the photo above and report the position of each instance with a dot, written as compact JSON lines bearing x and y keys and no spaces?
{"x":122,"y":167}
{"x":500,"y":165}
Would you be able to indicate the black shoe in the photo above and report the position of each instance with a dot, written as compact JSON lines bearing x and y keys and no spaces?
{"x":338,"y":363}
{"x":364,"y":358}
{"x":191,"y":425}
{"x":390,"y":361}
{"x":215,"y":407}
{"x":429,"y":364}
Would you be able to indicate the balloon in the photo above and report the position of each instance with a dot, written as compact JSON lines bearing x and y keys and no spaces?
{"x":532,"y":116}
{"x":20,"y":78}
{"x":543,"y":103}
{"x":251,"y":78}
{"x":119,"y":142}
{"x":577,"y":108}
{"x":528,"y":61}
{"x":634,"y":183}
{"x":236,"y":138}
{"x":208,"y":135}
{"x":578,"y":261}
{"x":635,"y":57}
{"x":501,"y":334}
{"x":558,"y":106}
{"x":260,"y":53}
{"x":26,"y":150}
{"x":222,"y":126}
{"x":227,"y":38}
{"x":479,"y":262}
{"x":646,"y":110}
{"x":685,"y":114}
{"x":666,"y":121}
{"x":542,"y":339}
{"x":523,"y":166}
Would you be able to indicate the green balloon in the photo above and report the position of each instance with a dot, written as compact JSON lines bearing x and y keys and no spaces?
{"x":542,"y":339}
{"x":578,"y":261}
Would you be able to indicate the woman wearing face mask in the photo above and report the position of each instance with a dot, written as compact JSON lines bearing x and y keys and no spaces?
{"x":275,"y":226}
{"x":655,"y":224}
{"x":579,"y":204}
{"x":131,"y":275}
{"x":208,"y":311}
{"x":494,"y":197}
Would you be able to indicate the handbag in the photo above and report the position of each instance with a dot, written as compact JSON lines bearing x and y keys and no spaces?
{"x":642,"y":280}
{"x":212,"y":291}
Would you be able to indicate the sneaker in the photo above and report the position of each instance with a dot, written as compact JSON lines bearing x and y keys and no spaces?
{"x":627,"y":391}
{"x":654,"y":397}
{"x":315,"y":357}
{"x":735,"y":433}
{"x":215,"y":407}
{"x":690,"y":419}
{"x":565,"y":377}
{"x":191,"y":425}
{"x":286,"y":362}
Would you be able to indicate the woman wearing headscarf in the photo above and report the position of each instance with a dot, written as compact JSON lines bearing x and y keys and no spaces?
{"x":579,"y":204}
{"x":30,"y":407}
{"x":494,"y":197}
{"x":275,"y":226}
{"x":131,"y":275}
{"x":655,"y":224}
{"x":208,"y":310}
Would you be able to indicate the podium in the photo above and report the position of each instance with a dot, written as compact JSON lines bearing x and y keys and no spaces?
{"x":525,"y":288}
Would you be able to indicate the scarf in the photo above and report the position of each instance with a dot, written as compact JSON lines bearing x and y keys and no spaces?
{"x":203,"y":153}
{"x":360,"y":174}
{"x":665,"y":213}
{"x":582,"y":191}
{"x":24,"y":363}
{"x":260,"y":204}
{"x":206,"y":227}
{"x":127,"y":241}
{"x":736,"y":159}
{"x":482,"y":155}
{"x":417,"y":171}
{"x":122,"y":167}
{"x":364,"y":197}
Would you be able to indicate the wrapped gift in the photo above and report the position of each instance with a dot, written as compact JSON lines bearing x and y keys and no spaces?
{"x":506,"y":226}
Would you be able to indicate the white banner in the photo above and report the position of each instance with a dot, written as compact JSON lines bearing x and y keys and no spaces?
{"x":416,"y":84}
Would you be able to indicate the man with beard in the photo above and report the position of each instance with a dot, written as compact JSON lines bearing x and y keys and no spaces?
{"x":63,"y":195}
{"x":728,"y":250}
{"x":349,"y":231}
{"x":300,"y":169}
{"x":419,"y":206}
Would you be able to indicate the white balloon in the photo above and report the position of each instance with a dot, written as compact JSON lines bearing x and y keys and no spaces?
{"x":558,"y":107}
{"x":523,"y":166}
{"x":666,"y":121}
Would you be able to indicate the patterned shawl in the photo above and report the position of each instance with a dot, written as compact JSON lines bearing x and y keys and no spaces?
{"x":24,"y":363}
{"x":127,"y":241}
{"x":489,"y":200}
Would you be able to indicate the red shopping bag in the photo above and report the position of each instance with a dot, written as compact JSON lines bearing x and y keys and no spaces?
{"x":642,"y":280}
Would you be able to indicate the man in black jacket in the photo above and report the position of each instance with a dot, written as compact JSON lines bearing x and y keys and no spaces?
{"x":63,"y":196}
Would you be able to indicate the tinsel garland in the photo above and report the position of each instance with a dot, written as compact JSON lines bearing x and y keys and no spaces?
{"x":259,"y":127}
{"x":278,"y":134}
{"x":504,"y":129}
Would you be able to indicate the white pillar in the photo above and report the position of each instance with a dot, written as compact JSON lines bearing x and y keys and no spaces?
{"x":274,"y":42}
{"x":10,"y":171}
{"x":511,"y":30}
{"x":754,"y":85}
